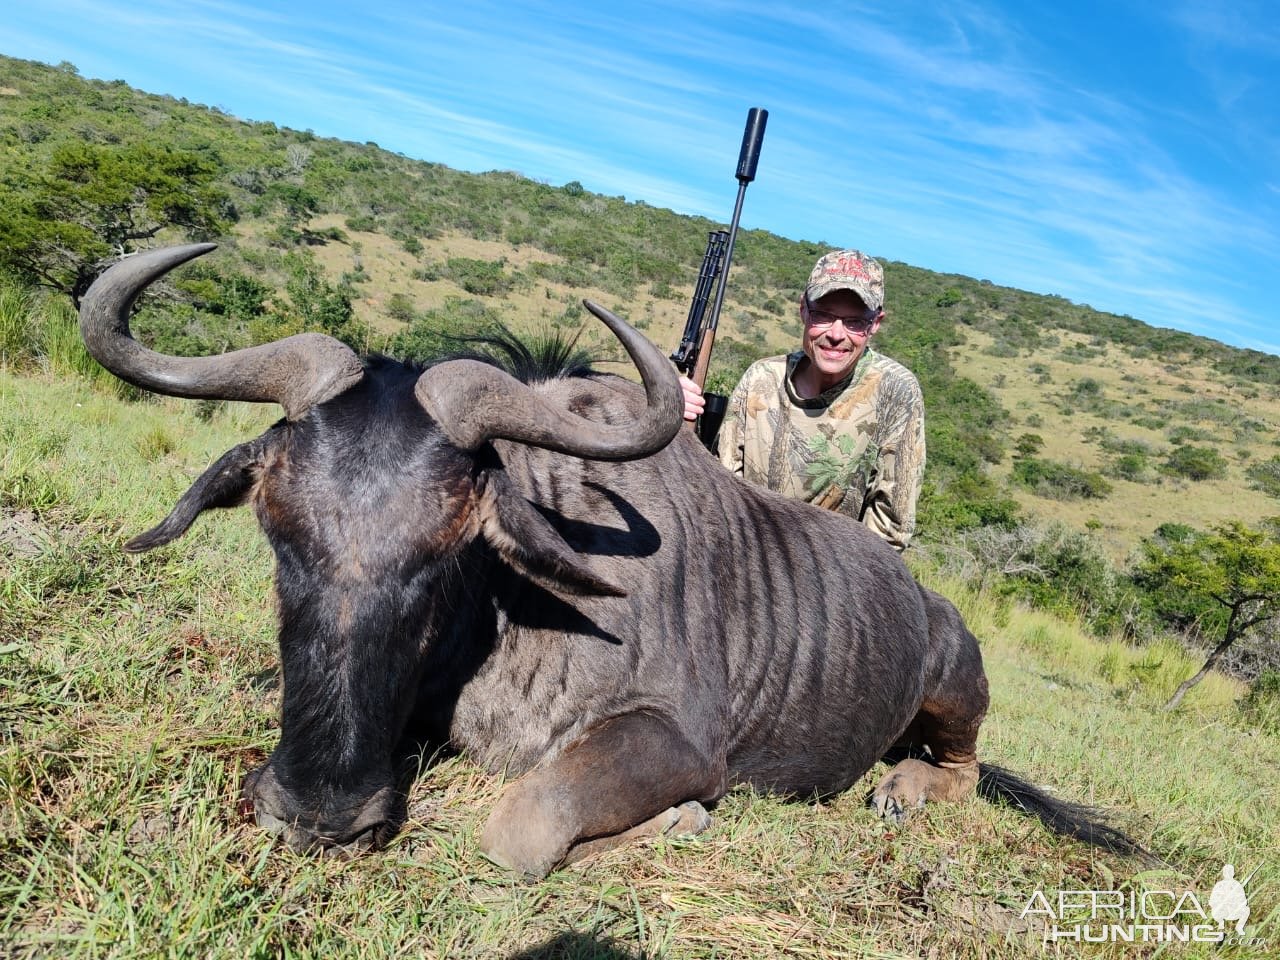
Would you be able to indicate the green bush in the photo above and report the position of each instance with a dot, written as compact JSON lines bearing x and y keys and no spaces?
{"x":362,"y":223}
{"x":1134,"y":467}
{"x":950,"y":297}
{"x":1028,"y":445}
{"x":967,"y":501}
{"x":1265,"y":476}
{"x":1059,"y":481}
{"x":1183,"y":432}
{"x":400,"y":307}
{"x":1196,"y":463}
{"x":485,"y":278}
{"x":566,"y":274}
{"x":439,"y":331}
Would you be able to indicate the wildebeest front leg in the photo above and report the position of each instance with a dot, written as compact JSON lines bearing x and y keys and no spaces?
{"x":629,"y":776}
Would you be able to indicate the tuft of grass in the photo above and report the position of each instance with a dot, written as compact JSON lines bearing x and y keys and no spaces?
{"x":17,"y":331}
{"x":62,"y":345}
{"x":156,"y":442}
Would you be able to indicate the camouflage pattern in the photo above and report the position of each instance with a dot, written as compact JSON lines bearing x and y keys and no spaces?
{"x":857,"y":449}
{"x":847,"y":270}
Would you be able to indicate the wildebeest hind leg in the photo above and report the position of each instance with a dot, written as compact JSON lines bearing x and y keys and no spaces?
{"x":947,"y":722}
{"x":625,"y":778}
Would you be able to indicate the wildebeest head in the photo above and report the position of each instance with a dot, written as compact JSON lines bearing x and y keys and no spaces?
{"x":378,"y":476}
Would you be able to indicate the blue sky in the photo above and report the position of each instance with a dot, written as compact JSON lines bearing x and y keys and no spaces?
{"x":1124,"y":155}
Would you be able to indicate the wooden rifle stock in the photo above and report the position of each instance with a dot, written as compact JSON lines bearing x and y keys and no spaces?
{"x":699,"y":374}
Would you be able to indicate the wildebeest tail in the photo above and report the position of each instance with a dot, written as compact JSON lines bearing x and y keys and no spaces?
{"x":1061,"y":816}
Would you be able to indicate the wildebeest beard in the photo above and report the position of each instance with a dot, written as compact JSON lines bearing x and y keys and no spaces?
{"x":544,"y":572}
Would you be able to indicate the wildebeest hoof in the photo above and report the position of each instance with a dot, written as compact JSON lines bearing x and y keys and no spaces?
{"x":903,"y":789}
{"x":894,"y":809}
{"x":687,"y":819}
{"x":912,"y":782}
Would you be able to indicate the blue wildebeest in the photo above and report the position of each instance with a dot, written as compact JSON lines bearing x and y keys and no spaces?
{"x":544,"y":572}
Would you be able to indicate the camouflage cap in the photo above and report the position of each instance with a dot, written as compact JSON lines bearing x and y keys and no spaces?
{"x":848,"y":270}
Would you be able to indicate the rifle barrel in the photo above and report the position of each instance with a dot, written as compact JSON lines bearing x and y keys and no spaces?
{"x":748,"y":157}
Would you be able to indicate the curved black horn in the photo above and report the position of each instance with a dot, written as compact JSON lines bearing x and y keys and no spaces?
{"x":474,"y":402}
{"x":296,"y":372}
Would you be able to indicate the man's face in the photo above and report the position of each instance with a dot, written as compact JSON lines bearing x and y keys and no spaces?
{"x":830,"y":344}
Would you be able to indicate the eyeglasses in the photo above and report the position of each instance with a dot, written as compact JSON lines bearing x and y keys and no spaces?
{"x":821,"y":320}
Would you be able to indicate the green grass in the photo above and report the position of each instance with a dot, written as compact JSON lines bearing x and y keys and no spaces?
{"x":15,"y":324}
{"x":135,"y":692}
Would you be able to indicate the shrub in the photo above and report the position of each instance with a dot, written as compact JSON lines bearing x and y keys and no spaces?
{"x":967,"y":501}
{"x":1265,"y":476}
{"x":440,"y":330}
{"x":400,"y":307}
{"x":1059,"y":481}
{"x":1063,"y":570}
{"x":362,"y":224}
{"x":1182,"y":433}
{"x":1028,"y":445}
{"x":1196,"y":463}
{"x":662,"y":290}
{"x":1134,"y":467}
{"x":566,"y":274}
{"x":485,"y":278}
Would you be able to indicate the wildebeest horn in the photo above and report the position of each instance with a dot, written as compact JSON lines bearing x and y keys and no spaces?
{"x":297,"y":372}
{"x":474,"y":402}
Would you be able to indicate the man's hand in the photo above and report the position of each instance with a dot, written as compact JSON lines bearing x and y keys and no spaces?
{"x":693,"y":399}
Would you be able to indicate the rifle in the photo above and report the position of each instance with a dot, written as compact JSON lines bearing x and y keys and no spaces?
{"x":693,"y":356}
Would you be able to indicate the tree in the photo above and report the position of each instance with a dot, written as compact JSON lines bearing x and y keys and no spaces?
{"x":316,"y":304}
{"x":61,"y":225}
{"x":1226,"y":582}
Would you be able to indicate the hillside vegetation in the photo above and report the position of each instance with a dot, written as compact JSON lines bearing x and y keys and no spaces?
{"x":391,"y":252}
{"x":1075,"y":457}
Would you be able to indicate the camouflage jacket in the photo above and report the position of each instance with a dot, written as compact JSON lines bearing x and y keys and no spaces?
{"x":858,"y":448}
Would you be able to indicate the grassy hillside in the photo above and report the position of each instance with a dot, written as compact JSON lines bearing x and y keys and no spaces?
{"x":138,"y":690}
{"x":1108,"y":409}
{"x":417,"y":248}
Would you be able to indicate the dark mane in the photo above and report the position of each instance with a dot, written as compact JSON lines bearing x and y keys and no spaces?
{"x":530,"y":358}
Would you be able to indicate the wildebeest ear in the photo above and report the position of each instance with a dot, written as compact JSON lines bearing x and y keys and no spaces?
{"x":225,"y":484}
{"x":526,"y":540}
